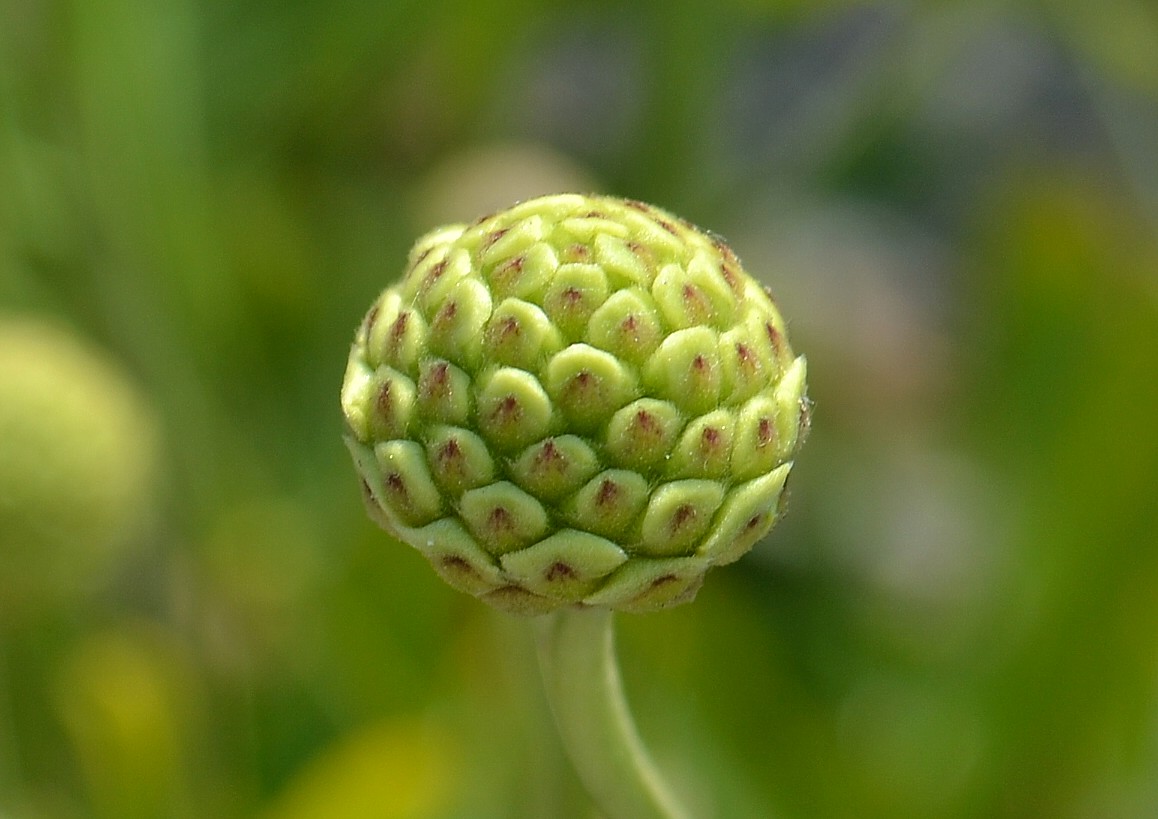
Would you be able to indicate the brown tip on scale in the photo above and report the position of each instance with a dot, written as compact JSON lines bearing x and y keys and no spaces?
{"x":500,"y":519}
{"x":457,"y":565}
{"x":549,"y":457}
{"x":398,"y":328}
{"x":493,"y":237}
{"x":396,"y":486}
{"x":684,"y":515}
{"x":371,"y":318}
{"x":450,"y":452}
{"x":508,"y":411}
{"x":765,"y":433}
{"x":577,"y":253}
{"x":509,"y":327}
{"x":384,"y":401}
{"x":560,"y":571}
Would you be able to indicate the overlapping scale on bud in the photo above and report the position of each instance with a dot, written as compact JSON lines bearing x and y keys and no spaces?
{"x":578,"y":400}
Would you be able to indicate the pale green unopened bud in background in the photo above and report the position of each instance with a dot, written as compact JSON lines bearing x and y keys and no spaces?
{"x":577,"y":400}
{"x":77,"y":456}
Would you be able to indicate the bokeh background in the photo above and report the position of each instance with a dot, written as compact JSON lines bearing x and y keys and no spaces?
{"x":956,"y":205}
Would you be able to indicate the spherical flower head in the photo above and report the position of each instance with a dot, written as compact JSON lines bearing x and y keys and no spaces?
{"x":580,"y":400}
{"x":77,"y":461}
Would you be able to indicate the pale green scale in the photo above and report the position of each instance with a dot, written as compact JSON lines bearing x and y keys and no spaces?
{"x":640,"y":436}
{"x":377,"y":325}
{"x":588,"y":385}
{"x":609,"y":504}
{"x":390,"y":404}
{"x":627,"y":325}
{"x":408,"y":491}
{"x":555,"y":467}
{"x":456,"y":556}
{"x":457,"y":323}
{"x":514,"y":240}
{"x":623,"y":265}
{"x":757,"y":445}
{"x":790,"y":405}
{"x":678,"y":515}
{"x":575,"y":293}
{"x":503,"y":517}
{"x":357,"y":388}
{"x":748,"y":515}
{"x":704,"y":449}
{"x":661,"y":241}
{"x":402,"y":342}
{"x":746,"y":364}
{"x":513,"y":408}
{"x":681,"y":305}
{"x":458,"y":459}
{"x":704,"y":273}
{"x":444,"y":392}
{"x":646,"y":584}
{"x":430,"y":284}
{"x":686,"y":369}
{"x":425,"y":268}
{"x":567,"y":565}
{"x":525,"y":276}
{"x":437,"y":240}
{"x":519,"y":334}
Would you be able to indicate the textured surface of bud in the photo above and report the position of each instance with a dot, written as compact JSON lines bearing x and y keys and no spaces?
{"x":580,"y":400}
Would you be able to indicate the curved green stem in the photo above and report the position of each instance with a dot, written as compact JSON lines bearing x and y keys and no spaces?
{"x":581,"y":675}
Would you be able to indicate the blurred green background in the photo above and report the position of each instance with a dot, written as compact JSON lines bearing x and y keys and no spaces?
{"x":957,"y":207}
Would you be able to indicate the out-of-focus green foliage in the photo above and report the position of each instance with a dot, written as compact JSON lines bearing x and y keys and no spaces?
{"x":957,"y":208}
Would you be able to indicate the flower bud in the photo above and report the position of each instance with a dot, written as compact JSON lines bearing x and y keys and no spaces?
{"x":580,"y":400}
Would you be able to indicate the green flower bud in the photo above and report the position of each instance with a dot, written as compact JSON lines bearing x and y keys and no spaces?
{"x":77,"y":459}
{"x":580,"y":400}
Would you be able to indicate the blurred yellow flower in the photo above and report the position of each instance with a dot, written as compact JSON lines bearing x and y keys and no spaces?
{"x":404,"y":769}
{"x":124,"y":698}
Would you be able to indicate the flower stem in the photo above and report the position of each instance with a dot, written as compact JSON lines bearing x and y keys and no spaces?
{"x":581,"y":676}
